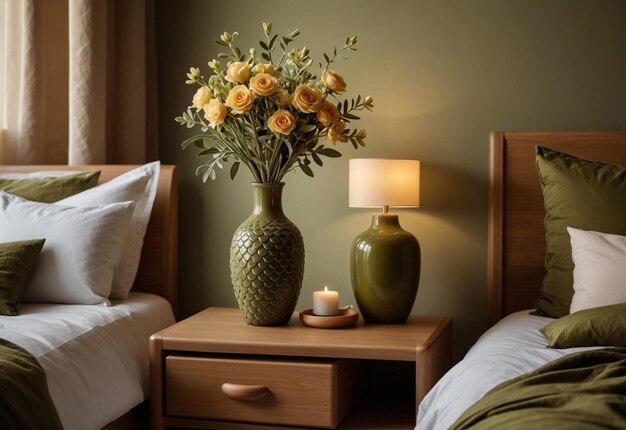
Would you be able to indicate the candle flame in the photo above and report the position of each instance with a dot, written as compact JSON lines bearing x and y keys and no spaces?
{"x":326,"y":288}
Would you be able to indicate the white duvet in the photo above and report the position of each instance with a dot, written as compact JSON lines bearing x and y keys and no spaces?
{"x":95,"y":357}
{"x":510,"y":348}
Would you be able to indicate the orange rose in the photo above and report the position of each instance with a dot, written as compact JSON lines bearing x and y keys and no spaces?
{"x":215,"y":112}
{"x":282,"y":122}
{"x":238,"y":72}
{"x":202,"y":97}
{"x":328,"y":113}
{"x":264,"y":84}
{"x":335,"y":132}
{"x":307,"y":99}
{"x":333,"y":80}
{"x":240,"y":99}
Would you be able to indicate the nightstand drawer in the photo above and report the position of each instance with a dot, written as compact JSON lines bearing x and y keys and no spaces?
{"x":307,"y":392}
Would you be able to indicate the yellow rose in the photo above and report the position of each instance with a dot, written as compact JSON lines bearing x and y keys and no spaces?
{"x":307,"y":99}
{"x":269,"y":68}
{"x":202,"y":97}
{"x":238,"y":72}
{"x":333,"y":80}
{"x":282,"y":122}
{"x":240,"y":99}
{"x":335,"y":132}
{"x":328,"y":113}
{"x":215,"y":112}
{"x":264,"y":84}
{"x":282,"y":97}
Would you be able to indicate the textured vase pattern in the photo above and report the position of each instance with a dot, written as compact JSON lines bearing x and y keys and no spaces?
{"x":267,"y":261}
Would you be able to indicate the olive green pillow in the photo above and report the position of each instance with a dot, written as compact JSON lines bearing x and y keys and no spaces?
{"x":603,"y":326}
{"x":50,"y":190}
{"x":588,"y":195}
{"x":17,"y":263}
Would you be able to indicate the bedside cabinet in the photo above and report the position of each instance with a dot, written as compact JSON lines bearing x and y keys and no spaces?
{"x":213,"y":371}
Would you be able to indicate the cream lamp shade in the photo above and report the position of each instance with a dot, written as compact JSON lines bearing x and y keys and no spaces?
{"x":384,"y":182}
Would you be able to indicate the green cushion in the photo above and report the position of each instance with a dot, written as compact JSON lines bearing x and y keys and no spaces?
{"x":603,"y":326}
{"x":50,"y":190}
{"x":588,"y":195}
{"x":17,"y":263}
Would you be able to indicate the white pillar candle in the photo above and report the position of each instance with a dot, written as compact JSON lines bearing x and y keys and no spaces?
{"x":325,"y":302}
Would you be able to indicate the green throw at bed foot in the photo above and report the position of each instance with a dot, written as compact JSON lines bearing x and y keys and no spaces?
{"x":25,"y":402}
{"x":584,"y":390}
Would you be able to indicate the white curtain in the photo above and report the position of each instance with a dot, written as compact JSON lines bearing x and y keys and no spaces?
{"x":77,"y":81}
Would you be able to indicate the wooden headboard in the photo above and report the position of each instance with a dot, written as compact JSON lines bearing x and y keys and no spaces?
{"x":158,"y":269}
{"x":516,"y":233}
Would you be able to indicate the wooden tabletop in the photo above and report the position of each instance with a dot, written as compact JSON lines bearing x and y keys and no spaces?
{"x":223,"y":330}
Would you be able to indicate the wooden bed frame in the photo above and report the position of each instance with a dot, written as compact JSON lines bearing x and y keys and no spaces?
{"x":516,"y":233}
{"x":158,"y":268}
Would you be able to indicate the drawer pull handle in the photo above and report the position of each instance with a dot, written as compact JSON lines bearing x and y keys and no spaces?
{"x":244,"y":392}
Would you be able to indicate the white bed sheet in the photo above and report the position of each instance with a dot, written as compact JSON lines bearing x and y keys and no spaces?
{"x":96,"y":358}
{"x":510,"y":348}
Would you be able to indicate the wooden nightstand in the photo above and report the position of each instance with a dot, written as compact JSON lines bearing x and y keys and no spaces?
{"x":294,"y":376}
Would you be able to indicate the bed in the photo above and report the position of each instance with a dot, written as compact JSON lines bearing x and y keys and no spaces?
{"x":513,"y":345}
{"x":96,"y":357}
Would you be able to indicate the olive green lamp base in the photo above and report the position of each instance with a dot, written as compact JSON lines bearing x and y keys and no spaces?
{"x":385,"y":270}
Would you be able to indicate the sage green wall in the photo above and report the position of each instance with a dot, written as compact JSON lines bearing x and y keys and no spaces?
{"x":443,"y":74}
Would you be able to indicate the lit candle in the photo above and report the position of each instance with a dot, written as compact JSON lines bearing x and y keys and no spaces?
{"x":325,"y":302}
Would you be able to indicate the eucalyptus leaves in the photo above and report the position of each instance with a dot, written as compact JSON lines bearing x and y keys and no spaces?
{"x":269,"y":113}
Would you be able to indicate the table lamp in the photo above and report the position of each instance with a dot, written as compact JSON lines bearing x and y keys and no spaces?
{"x":384,"y":259}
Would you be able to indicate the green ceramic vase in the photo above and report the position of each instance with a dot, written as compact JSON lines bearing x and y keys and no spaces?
{"x":385,"y":271}
{"x":267,"y":260}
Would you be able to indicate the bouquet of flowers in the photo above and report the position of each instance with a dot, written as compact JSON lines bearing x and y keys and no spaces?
{"x":270,"y":113}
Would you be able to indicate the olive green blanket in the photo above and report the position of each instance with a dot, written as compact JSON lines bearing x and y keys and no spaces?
{"x":584,"y":390}
{"x":25,"y":402}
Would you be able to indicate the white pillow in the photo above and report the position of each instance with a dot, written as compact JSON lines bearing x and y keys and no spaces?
{"x":138,"y":185}
{"x":599,"y":269}
{"x":83,"y":246}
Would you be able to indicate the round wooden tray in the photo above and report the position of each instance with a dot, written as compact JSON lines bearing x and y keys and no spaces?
{"x":346,"y":318}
